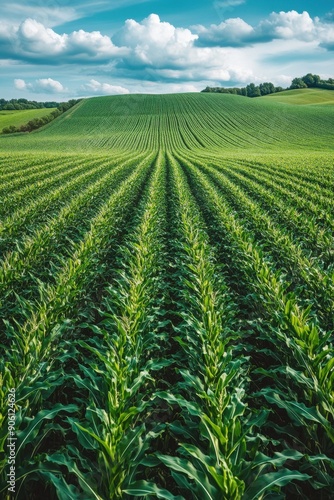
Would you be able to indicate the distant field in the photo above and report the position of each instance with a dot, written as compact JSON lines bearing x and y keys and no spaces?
{"x":167,"y":300}
{"x":303,"y":96}
{"x":17,"y":118}
{"x":205,"y":122}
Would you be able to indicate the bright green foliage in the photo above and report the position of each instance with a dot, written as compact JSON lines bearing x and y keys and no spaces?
{"x":304,"y":96}
{"x":18,"y":118}
{"x":203,"y":122}
{"x":167,"y":300}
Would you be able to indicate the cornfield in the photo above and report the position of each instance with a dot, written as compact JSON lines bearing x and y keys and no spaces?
{"x":168,"y":309}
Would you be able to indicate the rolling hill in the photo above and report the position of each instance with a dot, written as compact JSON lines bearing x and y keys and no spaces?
{"x":190,"y":121}
{"x":303,"y":97}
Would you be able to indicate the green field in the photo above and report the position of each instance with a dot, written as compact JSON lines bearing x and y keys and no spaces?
{"x":303,"y":96}
{"x":21,"y":117}
{"x":190,"y":121}
{"x":167,"y":295}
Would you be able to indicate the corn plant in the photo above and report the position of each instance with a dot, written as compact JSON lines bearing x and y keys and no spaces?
{"x":36,"y":340}
{"x":294,"y":330}
{"x":114,"y":424}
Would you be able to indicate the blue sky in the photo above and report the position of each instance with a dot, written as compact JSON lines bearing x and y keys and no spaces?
{"x":60,"y":49}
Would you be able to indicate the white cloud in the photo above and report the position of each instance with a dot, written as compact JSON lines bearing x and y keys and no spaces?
{"x":153,"y":42}
{"x":42,"y":85}
{"x":154,"y":51}
{"x":157,"y":44}
{"x":290,"y":25}
{"x":36,"y":40}
{"x":326,"y":35}
{"x":33,"y":41}
{"x":20,"y":84}
{"x":230,"y":32}
{"x":91,"y":43}
{"x":284,"y":80}
{"x":152,"y":30}
{"x":163,"y":52}
{"x":214,"y":73}
{"x":7,"y":32}
{"x":49,"y":85}
{"x":98,"y":88}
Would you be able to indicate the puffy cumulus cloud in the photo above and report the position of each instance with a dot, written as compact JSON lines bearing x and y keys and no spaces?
{"x":33,"y":41}
{"x":49,"y":85}
{"x":20,"y":84}
{"x":98,"y":88}
{"x":214,"y":64}
{"x":232,"y":32}
{"x":167,"y":56}
{"x":161,"y":52}
{"x":153,"y":42}
{"x":45,"y":85}
{"x":290,"y":25}
{"x":150,"y":49}
{"x":36,"y":40}
{"x":326,"y":34}
{"x":93,"y":44}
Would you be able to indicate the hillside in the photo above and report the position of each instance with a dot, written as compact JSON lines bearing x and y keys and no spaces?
{"x":187,"y":121}
{"x":303,"y":96}
{"x":21,"y":117}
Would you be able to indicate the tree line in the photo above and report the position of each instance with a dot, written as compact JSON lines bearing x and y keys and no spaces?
{"x":252,"y":90}
{"x":20,"y":104}
{"x":312,"y":81}
{"x":36,"y":123}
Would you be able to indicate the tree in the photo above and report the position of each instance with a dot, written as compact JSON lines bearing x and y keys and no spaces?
{"x":9,"y":130}
{"x":311,"y":80}
{"x":298,"y":83}
{"x":267,"y":88}
{"x":252,"y":90}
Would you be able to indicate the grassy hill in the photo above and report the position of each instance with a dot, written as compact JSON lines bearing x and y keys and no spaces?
{"x":189,"y":121}
{"x":20,"y":117}
{"x":303,"y":96}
